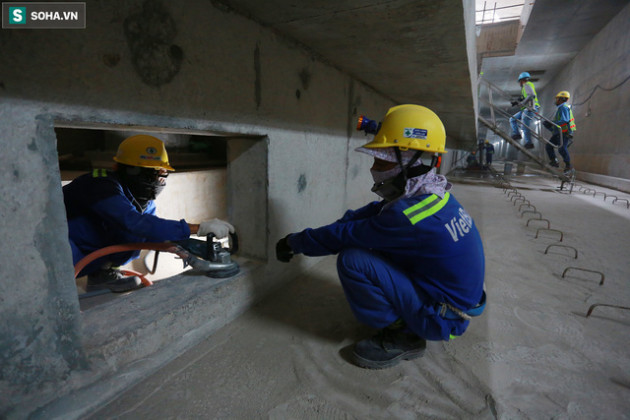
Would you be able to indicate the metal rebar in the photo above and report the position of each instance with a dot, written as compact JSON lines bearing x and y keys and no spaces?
{"x":584,"y":269}
{"x":528,"y":205}
{"x":541,"y":219}
{"x":590,"y":310}
{"x":622,"y":199}
{"x":532,"y":212}
{"x":551,"y":230}
{"x":562,"y":246}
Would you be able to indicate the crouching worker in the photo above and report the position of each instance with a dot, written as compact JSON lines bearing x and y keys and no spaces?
{"x":116,"y":207}
{"x":411,"y":265}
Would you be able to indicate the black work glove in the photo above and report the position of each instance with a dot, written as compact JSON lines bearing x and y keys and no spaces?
{"x":514,"y":103}
{"x":547,"y":125}
{"x":284,"y":253}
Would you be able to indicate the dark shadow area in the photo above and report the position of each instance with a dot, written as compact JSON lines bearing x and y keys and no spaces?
{"x":314,"y":304}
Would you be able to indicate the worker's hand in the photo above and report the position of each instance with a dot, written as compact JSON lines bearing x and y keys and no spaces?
{"x":284,"y":253}
{"x":514,"y":103}
{"x":219,"y":228}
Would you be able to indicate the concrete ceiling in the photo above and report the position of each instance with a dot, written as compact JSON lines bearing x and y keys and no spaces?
{"x":415,"y":51}
{"x":412,"y":51}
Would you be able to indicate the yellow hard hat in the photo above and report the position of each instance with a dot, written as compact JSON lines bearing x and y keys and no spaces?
{"x":487,"y":141}
{"x":563,"y":94}
{"x":410,"y":127}
{"x":144,"y":151}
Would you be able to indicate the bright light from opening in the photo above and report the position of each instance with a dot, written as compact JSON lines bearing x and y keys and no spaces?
{"x":497,"y":11}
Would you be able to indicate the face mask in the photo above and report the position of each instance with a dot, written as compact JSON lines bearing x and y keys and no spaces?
{"x":143,"y":183}
{"x":388,"y":184}
{"x":380,"y":176}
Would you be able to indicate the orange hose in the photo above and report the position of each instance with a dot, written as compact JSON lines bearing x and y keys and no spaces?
{"x":164,"y":246}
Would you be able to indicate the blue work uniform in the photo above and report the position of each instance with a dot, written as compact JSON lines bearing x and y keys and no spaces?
{"x":563,"y":118}
{"x":404,"y":260}
{"x":101,"y":212}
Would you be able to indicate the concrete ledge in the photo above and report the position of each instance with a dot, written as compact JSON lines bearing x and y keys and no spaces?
{"x":619,"y":184}
{"x":129,"y":336}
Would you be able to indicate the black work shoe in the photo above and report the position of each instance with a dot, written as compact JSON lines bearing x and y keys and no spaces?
{"x":554,"y":163}
{"x":113,"y":280}
{"x":516,"y":136}
{"x":529,"y":145}
{"x":388,"y":348}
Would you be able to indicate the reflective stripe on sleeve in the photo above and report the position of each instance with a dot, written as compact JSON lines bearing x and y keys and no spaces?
{"x":427,"y":207}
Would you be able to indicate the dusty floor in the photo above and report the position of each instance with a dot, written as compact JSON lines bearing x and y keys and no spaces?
{"x":532,"y":354}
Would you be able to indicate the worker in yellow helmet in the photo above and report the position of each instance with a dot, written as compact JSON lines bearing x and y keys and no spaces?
{"x":564,"y":119}
{"x":116,"y":207}
{"x":411,"y":265}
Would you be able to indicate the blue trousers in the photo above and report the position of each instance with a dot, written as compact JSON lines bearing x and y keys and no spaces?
{"x":380,"y":293}
{"x":526,"y":116}
{"x":563,"y":150}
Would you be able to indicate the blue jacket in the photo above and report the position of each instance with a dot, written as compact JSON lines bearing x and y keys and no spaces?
{"x":564,"y":118}
{"x":434,"y":240}
{"x":101,"y":212}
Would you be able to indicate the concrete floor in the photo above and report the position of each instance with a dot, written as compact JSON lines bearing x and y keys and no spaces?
{"x":532,"y":354}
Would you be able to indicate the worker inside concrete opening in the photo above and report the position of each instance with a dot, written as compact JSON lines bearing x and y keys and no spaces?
{"x":529,"y":105}
{"x":116,"y":207}
{"x":471,"y":160}
{"x":564,"y":119}
{"x":412,"y":264}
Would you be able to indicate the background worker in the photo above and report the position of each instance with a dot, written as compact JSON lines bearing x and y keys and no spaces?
{"x":471,"y":160}
{"x":529,"y":105}
{"x":489,"y":149}
{"x":116,"y":207}
{"x":564,"y":119}
{"x":411,"y":265}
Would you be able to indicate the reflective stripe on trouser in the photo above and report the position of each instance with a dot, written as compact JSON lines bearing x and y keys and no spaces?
{"x":379,"y":293}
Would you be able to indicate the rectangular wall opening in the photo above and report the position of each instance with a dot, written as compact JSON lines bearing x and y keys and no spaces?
{"x":220,"y":176}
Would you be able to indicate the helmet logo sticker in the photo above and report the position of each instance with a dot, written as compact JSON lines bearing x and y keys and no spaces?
{"x":151,"y":150}
{"x":415,"y":133}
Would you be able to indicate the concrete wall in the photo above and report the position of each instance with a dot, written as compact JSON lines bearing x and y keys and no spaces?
{"x":598,"y":80}
{"x":194,"y":68}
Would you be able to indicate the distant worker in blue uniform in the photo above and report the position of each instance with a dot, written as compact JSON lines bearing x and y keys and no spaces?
{"x":564,"y":119}
{"x":528,"y":102}
{"x":489,"y":149}
{"x":117,"y":207}
{"x":411,"y":265}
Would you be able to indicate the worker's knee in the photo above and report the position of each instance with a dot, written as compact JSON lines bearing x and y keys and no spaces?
{"x":353,"y":259}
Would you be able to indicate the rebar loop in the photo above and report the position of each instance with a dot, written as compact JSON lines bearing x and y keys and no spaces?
{"x":532,"y":212}
{"x":609,"y":195}
{"x":622,"y":199}
{"x":563,"y":246}
{"x":599,"y":192}
{"x":584,"y":269}
{"x":551,"y":230}
{"x":538,"y":220}
{"x":519,"y":198}
{"x":528,"y":205}
{"x":590,"y":310}
{"x":513,"y":191}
